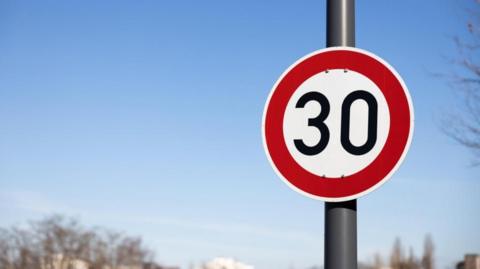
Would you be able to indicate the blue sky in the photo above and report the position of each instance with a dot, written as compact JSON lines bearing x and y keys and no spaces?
{"x":145,"y":116}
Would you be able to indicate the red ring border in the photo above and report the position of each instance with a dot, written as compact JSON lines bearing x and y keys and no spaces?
{"x":396,"y":145}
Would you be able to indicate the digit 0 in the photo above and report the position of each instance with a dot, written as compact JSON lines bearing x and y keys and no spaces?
{"x":372,"y":122}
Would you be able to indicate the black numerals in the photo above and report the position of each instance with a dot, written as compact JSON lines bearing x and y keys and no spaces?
{"x":372,"y":122}
{"x":317,"y":122}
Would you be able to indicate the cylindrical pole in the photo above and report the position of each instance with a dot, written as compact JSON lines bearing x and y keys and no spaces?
{"x":341,"y":218}
{"x":340,"y":23}
{"x":341,"y":235}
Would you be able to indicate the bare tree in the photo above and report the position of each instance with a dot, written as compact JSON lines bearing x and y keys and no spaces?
{"x":412,"y":261}
{"x":397,"y":258}
{"x":428,"y":248}
{"x":464,"y":126}
{"x":400,"y":260}
{"x":377,"y":261}
{"x":62,"y":243}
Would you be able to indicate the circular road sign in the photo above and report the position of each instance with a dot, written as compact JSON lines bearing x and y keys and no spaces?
{"x":337,"y":124}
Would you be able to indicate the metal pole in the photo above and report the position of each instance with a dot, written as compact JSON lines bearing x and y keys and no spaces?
{"x":340,"y":23}
{"x":341,"y":218}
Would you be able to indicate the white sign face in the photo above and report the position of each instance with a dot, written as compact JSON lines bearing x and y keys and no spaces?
{"x":337,"y":124}
{"x":341,"y":114}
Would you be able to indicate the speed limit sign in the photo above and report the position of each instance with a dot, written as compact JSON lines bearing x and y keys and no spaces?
{"x":337,"y":124}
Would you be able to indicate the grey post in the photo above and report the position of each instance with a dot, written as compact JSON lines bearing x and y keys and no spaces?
{"x":341,"y":218}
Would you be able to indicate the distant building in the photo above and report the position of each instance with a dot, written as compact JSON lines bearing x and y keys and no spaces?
{"x":151,"y":265}
{"x":471,"y":261}
{"x":225,"y":263}
{"x":60,"y":262}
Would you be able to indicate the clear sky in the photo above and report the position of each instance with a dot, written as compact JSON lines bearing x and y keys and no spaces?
{"x":145,"y":116}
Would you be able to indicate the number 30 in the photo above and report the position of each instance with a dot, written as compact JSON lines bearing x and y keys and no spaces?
{"x":318,"y":122}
